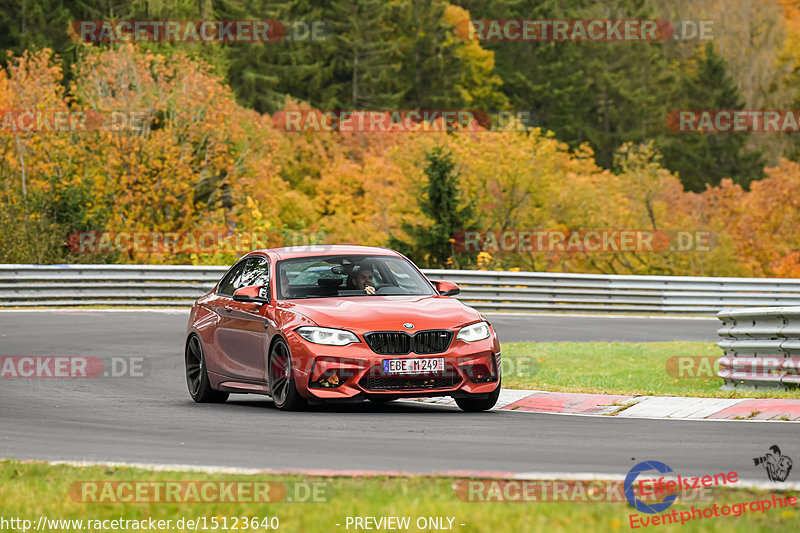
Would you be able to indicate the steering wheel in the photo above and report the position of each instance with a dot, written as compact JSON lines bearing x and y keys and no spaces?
{"x":389,"y":289}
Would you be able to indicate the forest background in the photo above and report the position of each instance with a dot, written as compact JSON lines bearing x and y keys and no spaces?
{"x":590,"y":147}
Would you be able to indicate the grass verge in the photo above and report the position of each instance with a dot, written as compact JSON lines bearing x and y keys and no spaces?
{"x":618,"y":368}
{"x":31,"y":490}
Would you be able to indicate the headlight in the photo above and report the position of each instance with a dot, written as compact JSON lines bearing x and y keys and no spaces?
{"x":331,"y":337}
{"x":474,"y":332}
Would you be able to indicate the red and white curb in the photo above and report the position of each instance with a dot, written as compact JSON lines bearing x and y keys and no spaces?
{"x":623,"y":406}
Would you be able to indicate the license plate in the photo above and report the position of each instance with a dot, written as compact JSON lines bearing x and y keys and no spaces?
{"x":413,"y":366}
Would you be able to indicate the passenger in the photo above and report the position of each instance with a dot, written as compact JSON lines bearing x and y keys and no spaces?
{"x":285,"y":290}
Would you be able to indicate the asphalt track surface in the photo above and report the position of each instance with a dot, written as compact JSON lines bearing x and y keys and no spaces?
{"x":151,"y":419}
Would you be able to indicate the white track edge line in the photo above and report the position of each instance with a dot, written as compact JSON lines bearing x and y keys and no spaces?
{"x":531,"y":476}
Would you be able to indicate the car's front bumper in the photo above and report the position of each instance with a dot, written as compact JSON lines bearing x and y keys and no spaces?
{"x":347,"y":372}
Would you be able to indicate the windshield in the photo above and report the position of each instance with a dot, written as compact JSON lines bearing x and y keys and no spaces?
{"x":351,"y":275}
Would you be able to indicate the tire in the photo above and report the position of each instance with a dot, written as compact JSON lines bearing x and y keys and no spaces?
{"x":197,"y":376}
{"x":470,"y":405}
{"x":281,"y":379}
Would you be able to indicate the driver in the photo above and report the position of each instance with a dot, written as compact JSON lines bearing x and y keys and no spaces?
{"x":363,"y":279}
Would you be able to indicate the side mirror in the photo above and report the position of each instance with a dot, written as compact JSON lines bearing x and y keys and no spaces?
{"x":446,"y":288}
{"x":257,"y":293}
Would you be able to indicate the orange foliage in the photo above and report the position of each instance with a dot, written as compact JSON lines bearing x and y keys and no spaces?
{"x":200,"y":161}
{"x":762,"y":224}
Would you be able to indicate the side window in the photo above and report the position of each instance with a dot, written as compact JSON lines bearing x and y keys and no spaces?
{"x":256,"y":272}
{"x":231,"y":282}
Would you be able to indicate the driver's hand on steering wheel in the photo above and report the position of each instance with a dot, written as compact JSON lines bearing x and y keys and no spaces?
{"x":369,"y":289}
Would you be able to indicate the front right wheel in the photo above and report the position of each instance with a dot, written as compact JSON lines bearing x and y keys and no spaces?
{"x":281,"y":379}
{"x":470,"y":405}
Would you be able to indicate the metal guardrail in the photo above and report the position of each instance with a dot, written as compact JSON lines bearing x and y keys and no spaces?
{"x":116,"y":285}
{"x":149,"y":285}
{"x":542,"y":291}
{"x":762,"y":347}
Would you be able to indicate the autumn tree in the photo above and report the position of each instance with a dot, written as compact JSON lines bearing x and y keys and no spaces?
{"x":43,"y":192}
{"x":762,"y":223}
{"x":433,"y":245}
{"x":702,"y":157}
{"x":601,"y":93}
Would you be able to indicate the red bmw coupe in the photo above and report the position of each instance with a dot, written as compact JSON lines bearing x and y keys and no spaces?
{"x":328,"y":323}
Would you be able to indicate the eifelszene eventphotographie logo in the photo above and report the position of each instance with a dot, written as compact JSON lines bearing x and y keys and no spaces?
{"x":630,"y":482}
{"x":777,"y":465}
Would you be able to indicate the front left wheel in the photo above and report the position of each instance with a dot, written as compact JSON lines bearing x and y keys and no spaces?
{"x":473,"y":406}
{"x":197,"y":376}
{"x":281,"y":379}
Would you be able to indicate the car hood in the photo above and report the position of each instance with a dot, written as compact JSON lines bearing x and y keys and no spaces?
{"x":387,"y":313}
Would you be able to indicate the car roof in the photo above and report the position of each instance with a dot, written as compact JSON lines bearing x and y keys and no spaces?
{"x":291,"y":252}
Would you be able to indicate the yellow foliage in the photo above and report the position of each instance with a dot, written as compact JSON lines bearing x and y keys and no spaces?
{"x":197,"y":160}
